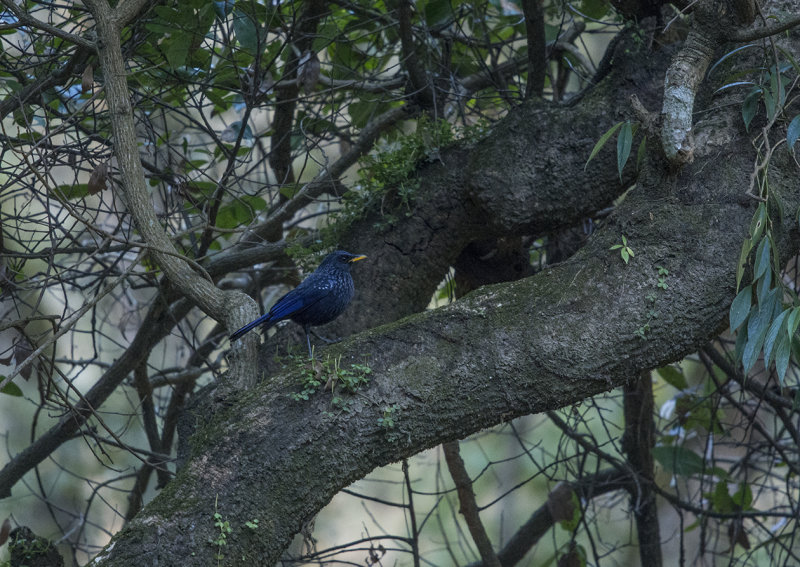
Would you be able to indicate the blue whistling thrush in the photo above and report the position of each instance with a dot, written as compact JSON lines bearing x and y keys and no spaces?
{"x":318,"y":300}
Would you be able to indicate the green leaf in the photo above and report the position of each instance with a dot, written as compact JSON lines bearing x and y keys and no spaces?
{"x":777,"y":85}
{"x":750,"y":107}
{"x":438,"y":13}
{"x":10,"y":389}
{"x":762,"y":258}
{"x":246,"y":31}
{"x":75,"y":191}
{"x":602,"y":142}
{"x":233,"y":215}
{"x":793,"y":132}
{"x":769,"y":103}
{"x":361,"y":111}
{"x":673,"y":377}
{"x":747,"y":246}
{"x":763,"y":287}
{"x":624,"y":142}
{"x":741,"y":336}
{"x":740,"y":307}
{"x":776,"y":261}
{"x":256,"y":203}
{"x":176,"y":49}
{"x":783,"y":352}
{"x":721,"y":500}
{"x":757,"y":224}
{"x":595,"y":8}
{"x":775,"y":328}
{"x":756,"y":332}
{"x":793,"y":322}
{"x":743,"y":498}
{"x":683,"y":462}
{"x":641,"y":153}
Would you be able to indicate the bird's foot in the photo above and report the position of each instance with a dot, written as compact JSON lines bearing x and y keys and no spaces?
{"x":325,"y":339}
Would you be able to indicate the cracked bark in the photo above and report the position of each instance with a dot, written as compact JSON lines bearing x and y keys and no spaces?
{"x":504,"y":350}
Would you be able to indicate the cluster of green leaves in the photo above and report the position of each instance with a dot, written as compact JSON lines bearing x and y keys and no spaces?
{"x":772,"y":91}
{"x":391,"y":168}
{"x":625,"y":251}
{"x":387,"y":420}
{"x":387,"y":183}
{"x":330,"y":371}
{"x":758,"y":314}
{"x":726,"y":503}
{"x":222,"y":58}
{"x":766,"y":314}
{"x":626,"y":132}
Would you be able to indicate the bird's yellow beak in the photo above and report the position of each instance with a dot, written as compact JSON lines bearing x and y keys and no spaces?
{"x":357,"y":258}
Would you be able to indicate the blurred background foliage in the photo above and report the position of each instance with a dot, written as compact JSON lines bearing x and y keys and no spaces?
{"x":239,"y":107}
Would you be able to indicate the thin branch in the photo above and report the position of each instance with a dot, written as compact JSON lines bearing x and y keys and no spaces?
{"x":541,"y":520}
{"x":29,"y":20}
{"x":467,"y":505}
{"x":67,"y":324}
{"x":233,"y":309}
{"x":753,"y":34}
{"x":330,"y":175}
{"x":414,"y":539}
{"x":156,"y":325}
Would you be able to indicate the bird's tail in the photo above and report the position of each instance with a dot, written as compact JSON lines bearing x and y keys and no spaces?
{"x":263,"y":320}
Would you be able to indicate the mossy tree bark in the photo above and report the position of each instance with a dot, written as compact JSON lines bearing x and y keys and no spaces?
{"x":503,"y":351}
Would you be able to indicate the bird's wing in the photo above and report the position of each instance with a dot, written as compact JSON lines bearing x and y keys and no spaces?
{"x":299,"y":299}
{"x":304,"y":296}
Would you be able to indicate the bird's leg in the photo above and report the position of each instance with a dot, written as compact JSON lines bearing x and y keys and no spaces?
{"x":308,"y":342}
{"x":323,"y":339}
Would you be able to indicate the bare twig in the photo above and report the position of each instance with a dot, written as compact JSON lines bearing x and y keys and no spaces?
{"x":467,"y":505}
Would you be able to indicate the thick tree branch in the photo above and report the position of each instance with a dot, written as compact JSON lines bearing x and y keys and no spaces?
{"x":500,"y":352}
{"x":683,"y":79}
{"x":539,"y":160}
{"x":537,"y":62}
{"x":637,"y":442}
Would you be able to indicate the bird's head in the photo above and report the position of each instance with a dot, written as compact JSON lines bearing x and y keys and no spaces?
{"x":341,"y":259}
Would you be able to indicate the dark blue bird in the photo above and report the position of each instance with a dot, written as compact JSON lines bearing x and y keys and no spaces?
{"x":319,"y":299}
